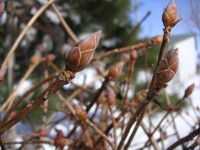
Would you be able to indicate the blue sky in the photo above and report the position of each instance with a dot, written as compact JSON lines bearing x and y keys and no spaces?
{"x":153,"y":24}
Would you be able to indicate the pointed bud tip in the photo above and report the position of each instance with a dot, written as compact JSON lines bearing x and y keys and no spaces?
{"x":81,"y":54}
{"x":189,"y":90}
{"x":98,"y":32}
{"x":170,"y":15}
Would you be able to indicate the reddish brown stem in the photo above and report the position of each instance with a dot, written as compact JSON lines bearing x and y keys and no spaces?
{"x":63,"y":79}
{"x":153,"y":89}
{"x":141,"y":45}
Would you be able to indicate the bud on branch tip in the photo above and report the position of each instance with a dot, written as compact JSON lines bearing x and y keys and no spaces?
{"x":170,"y":15}
{"x":82,"y":52}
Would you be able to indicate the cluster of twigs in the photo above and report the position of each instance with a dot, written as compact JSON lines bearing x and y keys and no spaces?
{"x":116,"y":117}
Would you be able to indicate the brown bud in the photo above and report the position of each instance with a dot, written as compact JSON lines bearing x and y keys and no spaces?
{"x":44,"y":132}
{"x":62,"y":142}
{"x":134,"y":55}
{"x":157,"y":40}
{"x":125,"y":58}
{"x":101,"y":99}
{"x":35,"y":59}
{"x":50,"y":57}
{"x":2,"y":7}
{"x":2,"y":73}
{"x":59,"y":134}
{"x":81,"y":113}
{"x":111,"y":97}
{"x":189,"y":90}
{"x":81,"y":54}
{"x":167,"y":68}
{"x":115,"y":71}
{"x":139,"y":98}
{"x":170,"y":15}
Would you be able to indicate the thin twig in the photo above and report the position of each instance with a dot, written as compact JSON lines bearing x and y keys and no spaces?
{"x":134,"y":131}
{"x":22,"y":34}
{"x":113,"y":52}
{"x":32,"y":89}
{"x":187,"y":138}
{"x":62,"y":79}
{"x":153,"y":89}
{"x":64,"y":23}
{"x":11,"y":98}
{"x":100,"y":132}
{"x":114,"y":127}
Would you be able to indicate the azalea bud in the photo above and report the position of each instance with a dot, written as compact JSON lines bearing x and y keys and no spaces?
{"x":2,"y":7}
{"x":101,"y":98}
{"x":134,"y":55}
{"x":43,"y":132}
{"x":189,"y":90}
{"x":170,"y":15}
{"x":139,"y":98}
{"x":62,"y":142}
{"x":50,"y":57}
{"x":111,"y":97}
{"x":82,"y":53}
{"x":59,"y":134}
{"x":115,"y":71}
{"x":125,"y":58}
{"x":157,"y":40}
{"x":81,"y":113}
{"x":35,"y":59}
{"x":167,"y":68}
{"x":2,"y":73}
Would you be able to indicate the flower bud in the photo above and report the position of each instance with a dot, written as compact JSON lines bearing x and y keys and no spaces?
{"x":50,"y":57}
{"x":44,"y":132}
{"x":81,"y":113}
{"x":125,"y":58}
{"x":139,"y":98}
{"x":62,"y":142}
{"x":101,"y":99}
{"x":115,"y":71}
{"x":35,"y":59}
{"x":59,"y":134}
{"x":170,"y":15}
{"x":134,"y":55}
{"x":2,"y":8}
{"x":111,"y":97}
{"x":82,"y":53}
{"x":189,"y":90}
{"x":157,"y":40}
{"x":167,"y":68}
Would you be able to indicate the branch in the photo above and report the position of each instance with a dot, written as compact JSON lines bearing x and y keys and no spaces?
{"x":22,"y":34}
{"x":185,"y":139}
{"x":62,"y":79}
